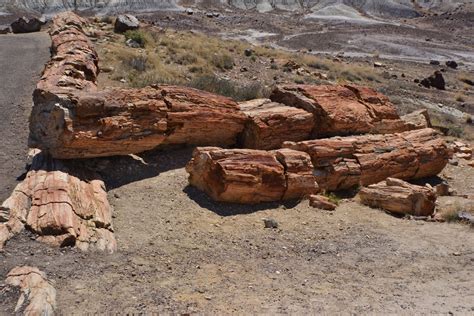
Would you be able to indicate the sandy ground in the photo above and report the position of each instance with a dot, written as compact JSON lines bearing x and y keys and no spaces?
{"x":179,"y":252}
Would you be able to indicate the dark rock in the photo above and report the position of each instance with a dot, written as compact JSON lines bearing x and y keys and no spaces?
{"x":126,"y":22}
{"x":435,"y":62}
{"x":436,"y":80}
{"x":5,"y":29}
{"x":248,"y":52}
{"x":270,"y":223}
{"x":452,"y":64}
{"x":189,"y":11}
{"x":26,"y":25}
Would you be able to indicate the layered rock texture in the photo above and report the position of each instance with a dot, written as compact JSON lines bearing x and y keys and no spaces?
{"x":63,"y":204}
{"x":399,"y":197}
{"x":251,"y":176}
{"x":271,"y":123}
{"x":38,"y":296}
{"x":72,"y":119}
{"x":345,"y":162}
{"x":344,"y":110}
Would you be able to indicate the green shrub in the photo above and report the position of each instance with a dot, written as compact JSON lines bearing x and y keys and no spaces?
{"x":137,"y":36}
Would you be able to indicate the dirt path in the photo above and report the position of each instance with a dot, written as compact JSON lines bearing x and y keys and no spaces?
{"x":22,"y":58}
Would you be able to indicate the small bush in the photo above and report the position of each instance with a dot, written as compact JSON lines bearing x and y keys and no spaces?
{"x":137,"y":36}
{"x":223,"y":61}
{"x":139,"y":63}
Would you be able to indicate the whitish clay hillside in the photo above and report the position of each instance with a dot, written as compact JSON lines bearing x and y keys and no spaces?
{"x":318,"y":8}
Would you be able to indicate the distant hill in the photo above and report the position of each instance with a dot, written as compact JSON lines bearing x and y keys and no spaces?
{"x":343,"y":9}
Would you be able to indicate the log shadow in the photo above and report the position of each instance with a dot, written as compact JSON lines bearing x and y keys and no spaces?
{"x":230,"y":209}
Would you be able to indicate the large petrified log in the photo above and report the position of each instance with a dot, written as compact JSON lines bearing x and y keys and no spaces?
{"x":63,"y":204}
{"x":271,"y":123}
{"x":398,"y":196}
{"x":344,"y":162}
{"x":36,"y":291}
{"x":251,"y":176}
{"x":343,"y":110}
{"x":123,"y":121}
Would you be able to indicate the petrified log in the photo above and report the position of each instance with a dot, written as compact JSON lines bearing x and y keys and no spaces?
{"x":123,"y":121}
{"x":250,"y":176}
{"x":398,"y":196}
{"x":63,"y":204}
{"x":344,"y":162}
{"x":36,"y":291}
{"x":271,"y":123}
{"x":338,"y":110}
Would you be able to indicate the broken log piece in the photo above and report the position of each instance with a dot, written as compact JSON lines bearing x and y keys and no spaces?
{"x":124,"y":121}
{"x":321,"y":202}
{"x":36,"y":291}
{"x":338,"y":110}
{"x":63,"y":204}
{"x":400,"y":197}
{"x":271,"y":123}
{"x":250,"y":176}
{"x":345,"y":162}
{"x":416,"y":120}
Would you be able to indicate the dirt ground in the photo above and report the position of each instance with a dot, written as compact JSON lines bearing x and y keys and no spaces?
{"x":179,"y":252}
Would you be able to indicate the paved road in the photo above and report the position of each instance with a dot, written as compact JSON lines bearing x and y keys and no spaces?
{"x":22,"y":58}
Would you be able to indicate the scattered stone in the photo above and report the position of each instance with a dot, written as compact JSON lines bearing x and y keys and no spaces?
{"x":189,"y":11}
{"x":397,"y":196}
{"x":270,"y":223}
{"x":436,"y":81}
{"x":133,"y":44}
{"x":345,"y":162}
{"x":26,"y":25}
{"x":435,"y":62}
{"x":321,"y":202}
{"x":443,"y":189}
{"x":243,"y":69}
{"x":453,"y":162}
{"x":248,"y":52}
{"x":209,"y":14}
{"x":462,"y":150}
{"x":37,"y":292}
{"x":378,"y":64}
{"x":452,"y":64}
{"x":467,"y":81}
{"x":126,"y":22}
{"x":5,"y":29}
{"x":271,"y":123}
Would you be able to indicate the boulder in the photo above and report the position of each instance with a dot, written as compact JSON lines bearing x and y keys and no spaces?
{"x":338,"y":110}
{"x":452,"y":64}
{"x":415,"y":120}
{"x":26,"y":25}
{"x":251,"y":176}
{"x":4,"y":29}
{"x":270,"y":124}
{"x":345,"y":162}
{"x":37,"y":292}
{"x":126,"y":22}
{"x":321,"y":202}
{"x":399,"y":197}
{"x":436,"y":80}
{"x":63,"y":204}
{"x":462,"y":150}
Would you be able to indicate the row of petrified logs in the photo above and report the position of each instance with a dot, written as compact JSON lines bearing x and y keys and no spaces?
{"x":302,"y":168}
{"x":71,"y":118}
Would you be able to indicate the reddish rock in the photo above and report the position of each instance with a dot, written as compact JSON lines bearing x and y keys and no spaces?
{"x":37,"y":292}
{"x":251,"y":176}
{"x":321,"y":202}
{"x":399,"y":197}
{"x":344,"y":162}
{"x":415,"y":120}
{"x":271,"y":123}
{"x":338,"y":110}
{"x":61,"y":203}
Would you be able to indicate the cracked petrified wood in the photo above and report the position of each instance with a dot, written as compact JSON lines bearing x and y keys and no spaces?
{"x":345,"y":162}
{"x":271,"y":123}
{"x":400,"y":197}
{"x":343,"y":110}
{"x":38,"y":295}
{"x":251,"y":176}
{"x":63,"y":204}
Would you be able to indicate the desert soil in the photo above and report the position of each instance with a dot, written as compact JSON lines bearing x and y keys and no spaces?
{"x":180,"y":252}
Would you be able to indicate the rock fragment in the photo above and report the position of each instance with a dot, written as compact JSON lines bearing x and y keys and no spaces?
{"x":38,"y":296}
{"x":321,"y":202}
{"x":26,"y":25}
{"x":126,"y":22}
{"x":400,"y":197}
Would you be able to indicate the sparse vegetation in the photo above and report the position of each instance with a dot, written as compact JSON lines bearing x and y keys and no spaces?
{"x":138,"y":36}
